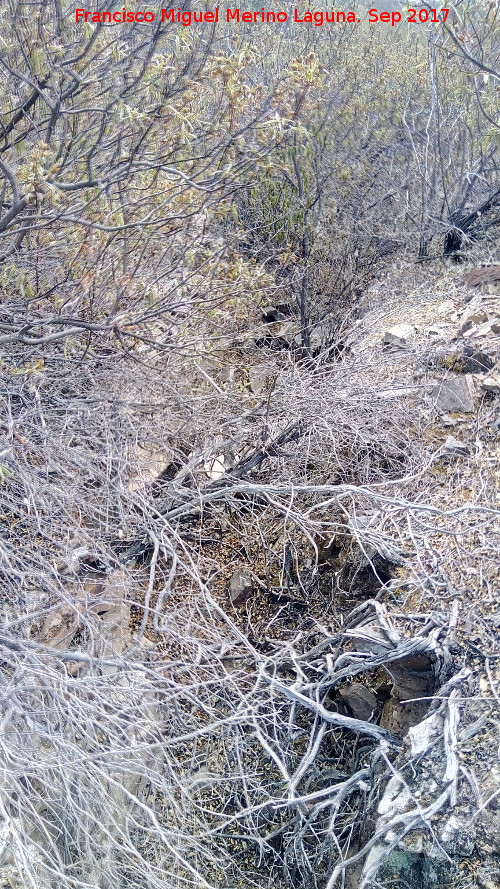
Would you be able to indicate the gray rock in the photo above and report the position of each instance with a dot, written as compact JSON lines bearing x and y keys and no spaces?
{"x":423,"y":735}
{"x":258,"y":377}
{"x":453,"y":447}
{"x":472,"y":317}
{"x":401,"y":335}
{"x":360,"y":699}
{"x":59,"y":627}
{"x":413,"y":677}
{"x":240,"y":586}
{"x":454,"y":394}
{"x":482,"y":330}
{"x":468,"y":360}
{"x":475,"y":361}
{"x":492,"y":384}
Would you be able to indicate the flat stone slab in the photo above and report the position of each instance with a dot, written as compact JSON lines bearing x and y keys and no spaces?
{"x":454,"y":394}
{"x":401,"y":335}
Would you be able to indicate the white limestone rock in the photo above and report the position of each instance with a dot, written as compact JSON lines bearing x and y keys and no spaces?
{"x":401,"y":336}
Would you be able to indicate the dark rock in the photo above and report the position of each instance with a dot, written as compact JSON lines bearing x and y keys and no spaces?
{"x":240,"y":586}
{"x":454,"y":394}
{"x":413,"y":676}
{"x":413,"y":684}
{"x":277,"y":313}
{"x":473,"y":316}
{"x":469,"y":360}
{"x":360,"y":699}
{"x":475,"y":361}
{"x":415,"y":871}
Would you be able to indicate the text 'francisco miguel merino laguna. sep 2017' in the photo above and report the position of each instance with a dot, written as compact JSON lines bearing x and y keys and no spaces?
{"x":176,"y":15}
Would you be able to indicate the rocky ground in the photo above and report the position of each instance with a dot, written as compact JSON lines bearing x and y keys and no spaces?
{"x":430,"y":346}
{"x":421,"y":561}
{"x":438,"y":817}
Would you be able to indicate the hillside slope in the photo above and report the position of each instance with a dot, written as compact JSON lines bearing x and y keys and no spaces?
{"x":250,"y":606}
